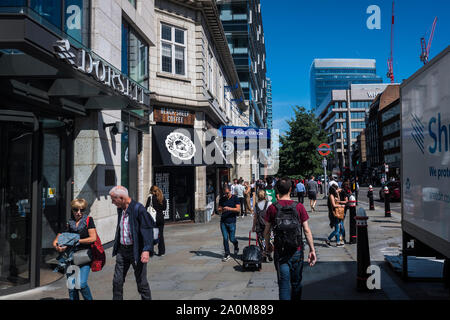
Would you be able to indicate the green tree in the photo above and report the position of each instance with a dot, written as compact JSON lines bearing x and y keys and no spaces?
{"x":298,"y":150}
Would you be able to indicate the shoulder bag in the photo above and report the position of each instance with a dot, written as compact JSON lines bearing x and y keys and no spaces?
{"x":94,"y":255}
{"x":338,"y":212}
{"x":152,"y":212}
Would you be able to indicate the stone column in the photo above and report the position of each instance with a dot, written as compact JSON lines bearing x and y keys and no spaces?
{"x":97,"y":162}
{"x":200,"y":172}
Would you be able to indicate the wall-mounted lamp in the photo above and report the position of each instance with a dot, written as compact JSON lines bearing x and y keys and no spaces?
{"x":117,"y":127}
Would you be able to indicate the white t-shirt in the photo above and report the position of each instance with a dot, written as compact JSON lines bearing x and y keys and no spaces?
{"x":239,"y":189}
{"x":262,"y":204}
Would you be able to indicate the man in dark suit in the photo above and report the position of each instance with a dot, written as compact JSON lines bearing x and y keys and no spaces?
{"x":132,"y":244}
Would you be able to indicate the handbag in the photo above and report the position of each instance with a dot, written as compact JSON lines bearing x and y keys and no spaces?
{"x":338,"y":212}
{"x":152,"y":213}
{"x":81,"y":257}
{"x":97,"y":253}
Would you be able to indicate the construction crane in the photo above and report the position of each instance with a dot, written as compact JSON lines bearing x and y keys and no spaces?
{"x":390,"y":73}
{"x":426,"y":47}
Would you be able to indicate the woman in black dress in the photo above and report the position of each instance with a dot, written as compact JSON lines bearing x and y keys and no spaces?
{"x":157,"y":200}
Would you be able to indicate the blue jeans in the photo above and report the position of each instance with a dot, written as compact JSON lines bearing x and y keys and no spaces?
{"x":289,"y":273}
{"x":228,"y":233}
{"x":338,"y":227}
{"x":342,"y":229}
{"x":84,"y":288}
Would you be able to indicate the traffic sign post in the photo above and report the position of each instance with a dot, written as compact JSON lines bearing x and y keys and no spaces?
{"x":324,"y":150}
{"x":324,"y":164}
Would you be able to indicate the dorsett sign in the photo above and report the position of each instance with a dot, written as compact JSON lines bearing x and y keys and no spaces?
{"x":87,"y":63}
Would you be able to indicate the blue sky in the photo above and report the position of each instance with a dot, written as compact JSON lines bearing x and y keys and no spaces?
{"x":297,"y":31}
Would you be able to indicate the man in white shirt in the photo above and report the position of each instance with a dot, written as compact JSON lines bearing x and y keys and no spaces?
{"x":239,"y":192}
{"x":233,"y":186}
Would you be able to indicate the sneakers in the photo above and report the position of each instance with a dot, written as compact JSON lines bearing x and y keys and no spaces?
{"x":328,"y":242}
{"x":236,"y":251}
{"x":340,"y":244}
{"x":226,"y":258}
{"x":270,"y":258}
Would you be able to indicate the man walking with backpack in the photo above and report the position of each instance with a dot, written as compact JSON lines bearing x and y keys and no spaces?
{"x":288,"y":219}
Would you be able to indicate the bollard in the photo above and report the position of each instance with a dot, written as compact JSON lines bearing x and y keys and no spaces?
{"x":363,"y":254}
{"x":387,"y":205}
{"x":352,"y":208}
{"x":370,"y":196}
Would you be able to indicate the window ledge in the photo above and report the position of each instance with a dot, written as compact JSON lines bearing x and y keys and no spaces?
{"x":172,"y":77}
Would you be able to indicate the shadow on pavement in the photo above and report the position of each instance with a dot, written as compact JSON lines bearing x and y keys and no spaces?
{"x":334,"y":281}
{"x":207,"y":254}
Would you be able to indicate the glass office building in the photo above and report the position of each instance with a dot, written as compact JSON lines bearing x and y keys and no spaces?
{"x":242,"y":23}
{"x":342,"y":115}
{"x":335,"y":74}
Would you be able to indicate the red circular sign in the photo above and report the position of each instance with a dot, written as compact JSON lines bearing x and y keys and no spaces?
{"x":324,"y":149}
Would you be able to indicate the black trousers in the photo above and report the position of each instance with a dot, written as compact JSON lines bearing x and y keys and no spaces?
{"x":301,"y":196}
{"x":124,"y":259}
{"x":161,"y":245}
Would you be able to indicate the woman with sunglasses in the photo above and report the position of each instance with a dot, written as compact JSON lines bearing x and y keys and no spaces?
{"x":78,"y":224}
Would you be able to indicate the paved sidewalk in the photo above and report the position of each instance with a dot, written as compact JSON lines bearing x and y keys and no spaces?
{"x":192,"y":267}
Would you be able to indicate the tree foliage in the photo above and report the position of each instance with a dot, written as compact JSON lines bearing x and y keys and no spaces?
{"x":298,"y":150}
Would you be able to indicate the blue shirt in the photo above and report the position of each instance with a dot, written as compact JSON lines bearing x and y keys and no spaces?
{"x":300,"y":187}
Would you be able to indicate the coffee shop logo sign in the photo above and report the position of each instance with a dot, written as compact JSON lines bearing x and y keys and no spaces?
{"x":100,"y":70}
{"x":180,"y":146}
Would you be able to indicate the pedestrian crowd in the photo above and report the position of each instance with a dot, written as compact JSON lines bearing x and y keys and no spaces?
{"x":278,"y":221}
{"x":78,"y":243}
{"x":274,"y":216}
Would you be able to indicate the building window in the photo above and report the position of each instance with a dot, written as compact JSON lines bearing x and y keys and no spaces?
{"x":70,"y":16}
{"x":394,"y":111}
{"x":173,"y":50}
{"x":133,"y":2}
{"x":134,"y":55}
{"x":210,"y":74}
{"x":358,"y":125}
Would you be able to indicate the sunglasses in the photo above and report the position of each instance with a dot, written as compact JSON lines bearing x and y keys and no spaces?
{"x":75,"y":210}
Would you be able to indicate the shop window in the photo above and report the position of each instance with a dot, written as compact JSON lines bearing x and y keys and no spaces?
{"x":173,"y":50}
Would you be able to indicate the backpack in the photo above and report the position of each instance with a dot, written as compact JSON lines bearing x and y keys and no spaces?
{"x":260,"y":217}
{"x":287,"y":229}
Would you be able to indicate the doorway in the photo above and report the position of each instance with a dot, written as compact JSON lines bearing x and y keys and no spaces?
{"x":15,"y":203}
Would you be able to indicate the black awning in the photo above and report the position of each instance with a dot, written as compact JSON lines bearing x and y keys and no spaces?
{"x":176,"y":146}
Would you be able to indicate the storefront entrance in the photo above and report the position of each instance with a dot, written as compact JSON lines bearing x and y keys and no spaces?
{"x":178,"y":187}
{"x":15,"y":203}
{"x":34,"y":186}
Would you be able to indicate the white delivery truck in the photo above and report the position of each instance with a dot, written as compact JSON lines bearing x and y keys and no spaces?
{"x":425,"y":163}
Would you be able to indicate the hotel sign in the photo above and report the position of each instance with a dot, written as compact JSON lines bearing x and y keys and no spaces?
{"x":168,"y":115}
{"x":100,"y":70}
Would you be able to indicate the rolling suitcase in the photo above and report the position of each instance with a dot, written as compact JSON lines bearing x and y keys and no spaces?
{"x":252,"y":255}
